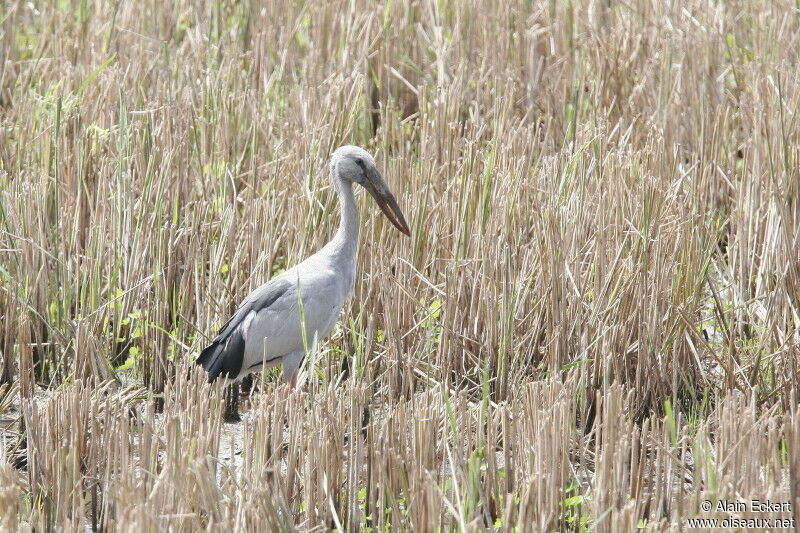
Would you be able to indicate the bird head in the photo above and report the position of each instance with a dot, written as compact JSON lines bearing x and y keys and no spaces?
{"x":355,"y":165}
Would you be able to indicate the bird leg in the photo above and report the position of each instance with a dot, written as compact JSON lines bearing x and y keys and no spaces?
{"x":291,"y":368}
{"x":246,"y":387}
{"x":292,"y":383}
{"x":232,"y":403}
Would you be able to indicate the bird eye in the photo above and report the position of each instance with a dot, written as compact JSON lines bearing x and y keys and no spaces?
{"x":360,"y":162}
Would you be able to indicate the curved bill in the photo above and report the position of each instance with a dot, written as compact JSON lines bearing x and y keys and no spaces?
{"x":387,"y":203}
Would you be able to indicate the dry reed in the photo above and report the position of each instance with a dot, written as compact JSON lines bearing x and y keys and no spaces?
{"x":594,"y":324}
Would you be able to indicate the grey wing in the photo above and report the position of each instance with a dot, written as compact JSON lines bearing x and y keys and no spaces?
{"x":225,"y":355}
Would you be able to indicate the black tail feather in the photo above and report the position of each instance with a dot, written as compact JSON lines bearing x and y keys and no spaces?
{"x":209,"y":359}
{"x":223,"y":357}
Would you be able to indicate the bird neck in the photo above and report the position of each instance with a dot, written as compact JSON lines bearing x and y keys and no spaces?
{"x":346,"y":238}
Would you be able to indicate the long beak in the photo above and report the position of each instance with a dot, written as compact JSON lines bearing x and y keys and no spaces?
{"x":378,"y":189}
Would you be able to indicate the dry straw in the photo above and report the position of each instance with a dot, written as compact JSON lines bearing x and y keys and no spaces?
{"x":594,"y":324}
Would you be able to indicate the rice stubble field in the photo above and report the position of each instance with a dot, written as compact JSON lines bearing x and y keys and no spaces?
{"x":594,"y":324}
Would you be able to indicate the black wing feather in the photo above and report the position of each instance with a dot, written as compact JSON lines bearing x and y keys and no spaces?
{"x":225,"y":355}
